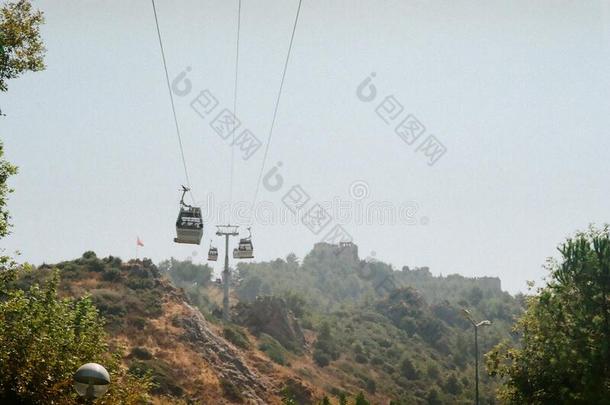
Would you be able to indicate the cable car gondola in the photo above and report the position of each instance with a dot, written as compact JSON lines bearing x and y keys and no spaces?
{"x":245,"y":250}
{"x":189,"y":225}
{"x":212,"y":253}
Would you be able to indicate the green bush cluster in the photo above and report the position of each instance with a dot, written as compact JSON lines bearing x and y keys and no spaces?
{"x":325,"y":348}
{"x":236,"y":336}
{"x":44,"y":339}
{"x":273,"y":349}
{"x":413,"y":338}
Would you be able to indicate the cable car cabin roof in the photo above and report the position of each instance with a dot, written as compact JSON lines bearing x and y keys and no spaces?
{"x":190,"y":211}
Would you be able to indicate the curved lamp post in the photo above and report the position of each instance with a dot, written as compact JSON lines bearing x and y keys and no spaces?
{"x":91,"y":381}
{"x":476,"y":348}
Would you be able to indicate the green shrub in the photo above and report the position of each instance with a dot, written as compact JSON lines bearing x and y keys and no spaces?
{"x":321,"y":358}
{"x":370,"y":385}
{"x":109,"y":303}
{"x":89,"y":255}
{"x":236,"y":336}
{"x":162,"y":374}
{"x":141,"y":353}
{"x":138,"y":283}
{"x":151,"y":303}
{"x":407,"y":369}
{"x":111,"y":274}
{"x":44,"y":339}
{"x":138,"y":322}
{"x":273,"y":349}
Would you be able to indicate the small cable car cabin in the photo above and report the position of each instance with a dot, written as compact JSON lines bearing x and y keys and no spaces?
{"x":244,"y":250}
{"x":212,"y":254}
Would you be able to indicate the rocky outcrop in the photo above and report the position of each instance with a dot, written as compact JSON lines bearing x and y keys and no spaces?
{"x":270,"y":315}
{"x":223,"y":358}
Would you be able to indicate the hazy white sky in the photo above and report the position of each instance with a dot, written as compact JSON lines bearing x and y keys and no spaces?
{"x":517,"y":92}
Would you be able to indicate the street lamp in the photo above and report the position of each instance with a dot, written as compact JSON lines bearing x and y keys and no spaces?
{"x":91,"y":381}
{"x":476,"y":348}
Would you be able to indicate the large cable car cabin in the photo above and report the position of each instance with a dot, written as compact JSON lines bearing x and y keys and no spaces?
{"x":189,"y":225}
{"x":244,"y":250}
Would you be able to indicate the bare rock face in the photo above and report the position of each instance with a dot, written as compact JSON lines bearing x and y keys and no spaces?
{"x":225,"y":360}
{"x":270,"y":315}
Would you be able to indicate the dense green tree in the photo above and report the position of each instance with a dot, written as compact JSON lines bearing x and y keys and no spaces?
{"x":563,"y":356}
{"x":6,"y":170}
{"x":433,"y":397}
{"x":292,"y":259}
{"x":321,"y":358}
{"x":407,"y":369}
{"x":21,"y":47}
{"x":325,"y":347}
{"x":295,"y":302}
{"x":452,"y":385}
{"x":44,"y":339}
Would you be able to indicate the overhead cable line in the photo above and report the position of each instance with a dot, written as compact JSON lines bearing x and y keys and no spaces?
{"x":235,"y":99}
{"x":277,"y":103}
{"x":171,"y":97}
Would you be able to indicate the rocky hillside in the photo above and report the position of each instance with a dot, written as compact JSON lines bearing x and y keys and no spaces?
{"x":394,"y":335}
{"x":159,"y":332}
{"x":333,"y":326}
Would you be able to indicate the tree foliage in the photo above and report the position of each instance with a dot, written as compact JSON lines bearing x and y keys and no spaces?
{"x":44,"y":339}
{"x":186,"y":273}
{"x":388,"y":340}
{"x":6,"y":170}
{"x":21,"y":47}
{"x":563,"y":356}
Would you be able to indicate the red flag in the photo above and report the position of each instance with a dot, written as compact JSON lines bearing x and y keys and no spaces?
{"x":139,"y":242}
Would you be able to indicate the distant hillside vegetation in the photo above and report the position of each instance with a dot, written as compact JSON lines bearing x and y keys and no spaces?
{"x":394,"y":335}
{"x":329,"y":328}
